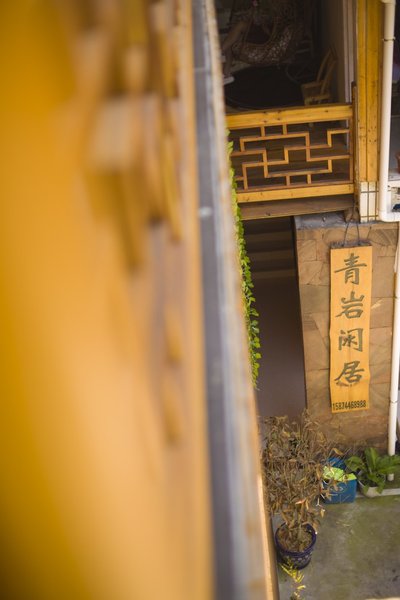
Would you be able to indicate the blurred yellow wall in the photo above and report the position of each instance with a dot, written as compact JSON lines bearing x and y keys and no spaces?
{"x":103,"y":435}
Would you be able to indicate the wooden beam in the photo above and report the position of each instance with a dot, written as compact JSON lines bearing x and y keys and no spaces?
{"x":267,"y":210}
{"x":361,"y":89}
{"x":369,"y":20}
{"x":373,"y":86}
{"x":295,"y":192}
{"x":298,"y":114}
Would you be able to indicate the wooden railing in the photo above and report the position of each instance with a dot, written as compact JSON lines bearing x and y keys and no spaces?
{"x":295,"y":152}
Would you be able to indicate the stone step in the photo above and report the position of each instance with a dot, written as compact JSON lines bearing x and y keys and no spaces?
{"x":273,"y":274}
{"x":271,"y":255}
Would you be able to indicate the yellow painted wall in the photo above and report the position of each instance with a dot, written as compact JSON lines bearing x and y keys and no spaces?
{"x":103,"y":457}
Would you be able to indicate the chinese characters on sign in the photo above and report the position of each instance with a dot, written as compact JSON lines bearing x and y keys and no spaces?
{"x":351,"y":276}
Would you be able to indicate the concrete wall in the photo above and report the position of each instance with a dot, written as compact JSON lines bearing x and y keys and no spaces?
{"x":314,"y":236}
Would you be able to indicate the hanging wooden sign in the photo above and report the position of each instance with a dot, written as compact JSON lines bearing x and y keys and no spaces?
{"x":351,"y":278}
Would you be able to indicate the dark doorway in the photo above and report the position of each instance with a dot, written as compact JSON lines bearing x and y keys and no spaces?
{"x":281,"y":386}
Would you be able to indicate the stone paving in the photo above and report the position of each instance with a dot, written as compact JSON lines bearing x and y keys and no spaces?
{"x":357,"y":554}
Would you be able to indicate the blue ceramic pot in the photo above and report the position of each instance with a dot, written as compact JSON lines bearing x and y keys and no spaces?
{"x":298,"y":560}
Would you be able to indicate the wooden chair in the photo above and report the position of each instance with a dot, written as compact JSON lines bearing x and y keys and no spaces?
{"x":319,"y":90}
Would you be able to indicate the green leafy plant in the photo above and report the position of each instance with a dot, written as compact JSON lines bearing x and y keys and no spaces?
{"x":337,"y":475}
{"x":372,"y":468}
{"x":251,"y":314}
{"x":294,"y":455}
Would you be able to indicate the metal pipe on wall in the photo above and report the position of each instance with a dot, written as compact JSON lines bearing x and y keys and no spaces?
{"x":385,"y":211}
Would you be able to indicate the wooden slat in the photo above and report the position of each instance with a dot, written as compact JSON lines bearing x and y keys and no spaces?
{"x":300,"y":114}
{"x":282,"y":208}
{"x":296,"y":192}
{"x":361,"y":89}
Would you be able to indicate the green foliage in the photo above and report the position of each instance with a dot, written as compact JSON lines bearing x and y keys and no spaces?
{"x":338,"y":475}
{"x":372,"y":468}
{"x":251,"y":314}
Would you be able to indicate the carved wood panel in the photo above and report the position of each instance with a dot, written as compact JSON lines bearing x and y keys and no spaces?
{"x":293,"y":154}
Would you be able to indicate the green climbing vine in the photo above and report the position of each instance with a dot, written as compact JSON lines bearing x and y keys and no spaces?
{"x":251,"y":314}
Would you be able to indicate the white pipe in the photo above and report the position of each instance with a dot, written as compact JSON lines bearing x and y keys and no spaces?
{"x":394,"y":381}
{"x":385,"y":210}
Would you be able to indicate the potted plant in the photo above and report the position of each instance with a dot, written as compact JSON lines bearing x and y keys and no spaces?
{"x":372,"y":469}
{"x":294,"y":454}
